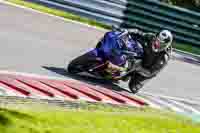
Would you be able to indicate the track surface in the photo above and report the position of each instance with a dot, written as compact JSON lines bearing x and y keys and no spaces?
{"x":31,"y":41}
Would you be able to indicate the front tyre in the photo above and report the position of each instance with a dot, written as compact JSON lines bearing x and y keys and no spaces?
{"x":71,"y":68}
{"x":83,"y":63}
{"x":76,"y":65}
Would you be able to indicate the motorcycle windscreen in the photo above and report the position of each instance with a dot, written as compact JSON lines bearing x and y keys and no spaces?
{"x":113,"y":46}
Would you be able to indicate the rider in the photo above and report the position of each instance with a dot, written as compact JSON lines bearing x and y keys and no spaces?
{"x":154,"y":49}
{"x":157,"y":51}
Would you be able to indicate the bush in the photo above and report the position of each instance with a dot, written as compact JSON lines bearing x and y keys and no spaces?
{"x":190,"y":4}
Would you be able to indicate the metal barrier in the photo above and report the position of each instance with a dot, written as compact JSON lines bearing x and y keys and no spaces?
{"x":147,"y":15}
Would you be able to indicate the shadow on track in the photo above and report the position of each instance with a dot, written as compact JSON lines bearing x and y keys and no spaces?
{"x":87,"y":79}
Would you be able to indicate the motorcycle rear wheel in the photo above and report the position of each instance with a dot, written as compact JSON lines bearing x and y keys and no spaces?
{"x":134,"y":85}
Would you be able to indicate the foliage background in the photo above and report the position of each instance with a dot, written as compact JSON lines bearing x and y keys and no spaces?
{"x":189,"y":4}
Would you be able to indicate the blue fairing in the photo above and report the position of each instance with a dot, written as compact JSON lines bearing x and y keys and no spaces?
{"x":112,"y":46}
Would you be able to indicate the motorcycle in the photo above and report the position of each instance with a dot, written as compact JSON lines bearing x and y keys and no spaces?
{"x":97,"y":68}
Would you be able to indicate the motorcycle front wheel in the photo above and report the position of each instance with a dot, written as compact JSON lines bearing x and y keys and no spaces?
{"x":83,"y":63}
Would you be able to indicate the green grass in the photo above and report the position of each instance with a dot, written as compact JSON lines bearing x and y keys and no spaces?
{"x":184,"y":47}
{"x":188,"y":48}
{"x":43,"y":119}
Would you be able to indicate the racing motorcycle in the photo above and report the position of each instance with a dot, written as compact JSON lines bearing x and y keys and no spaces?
{"x":98,"y":70}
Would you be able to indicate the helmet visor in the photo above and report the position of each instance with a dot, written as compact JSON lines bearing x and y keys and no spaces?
{"x":162,"y":43}
{"x":156,"y":45}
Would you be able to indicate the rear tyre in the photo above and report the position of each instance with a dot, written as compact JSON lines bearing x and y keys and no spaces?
{"x":134,"y":85}
{"x":131,"y":86}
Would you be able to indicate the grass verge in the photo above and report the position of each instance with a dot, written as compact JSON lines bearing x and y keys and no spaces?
{"x":188,"y":48}
{"x":95,"y":119}
{"x":184,"y":47}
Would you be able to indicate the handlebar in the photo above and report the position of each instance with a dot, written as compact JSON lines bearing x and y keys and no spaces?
{"x":131,"y":55}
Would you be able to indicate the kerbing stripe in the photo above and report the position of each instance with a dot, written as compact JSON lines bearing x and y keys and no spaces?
{"x":172,"y":98}
{"x":170,"y":105}
{"x":146,"y":99}
{"x":164,"y":104}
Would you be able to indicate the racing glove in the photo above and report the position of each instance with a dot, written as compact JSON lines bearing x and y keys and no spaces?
{"x":114,"y":67}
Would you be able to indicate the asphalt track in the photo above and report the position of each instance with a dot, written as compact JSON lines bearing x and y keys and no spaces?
{"x":37,"y":43}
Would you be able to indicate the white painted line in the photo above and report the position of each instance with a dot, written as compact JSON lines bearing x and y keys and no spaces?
{"x":9,"y":92}
{"x":186,"y":106}
{"x":61,"y":18}
{"x":87,"y":99}
{"x":164,"y":104}
{"x":151,"y":104}
{"x":3,"y":92}
{"x":133,"y":104}
{"x":173,"y":98}
{"x":32,"y":75}
{"x":107,"y":101}
{"x":36,"y":95}
{"x":167,"y":104}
